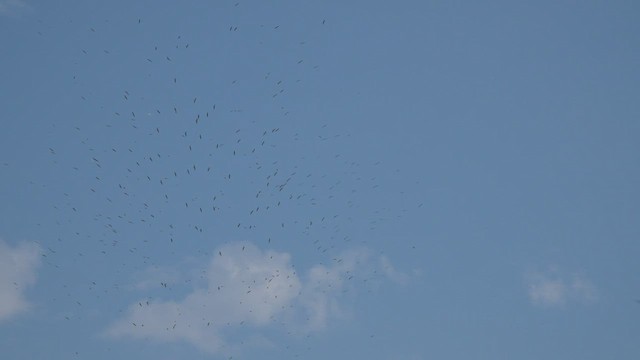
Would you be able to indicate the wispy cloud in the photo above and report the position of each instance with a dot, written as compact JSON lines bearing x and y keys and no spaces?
{"x":245,"y":287}
{"x":551,"y":288}
{"x":391,"y":272}
{"x":155,"y":277}
{"x":324,"y":286}
{"x":11,"y":7}
{"x":17,"y":272}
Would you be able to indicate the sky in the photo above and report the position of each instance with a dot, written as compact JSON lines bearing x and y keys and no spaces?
{"x":319,"y":179}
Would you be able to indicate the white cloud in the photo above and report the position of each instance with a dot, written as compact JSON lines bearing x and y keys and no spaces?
{"x":547,"y":291}
{"x":17,"y":272}
{"x":155,"y":277}
{"x":245,"y":287}
{"x":11,"y":6}
{"x":583,"y":289}
{"x":325,"y":285}
{"x":391,"y":272}
{"x":551,"y":288}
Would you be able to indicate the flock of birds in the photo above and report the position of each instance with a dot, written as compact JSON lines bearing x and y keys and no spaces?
{"x":166,"y":170}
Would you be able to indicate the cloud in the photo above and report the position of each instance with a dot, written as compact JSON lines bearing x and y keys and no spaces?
{"x":155,"y":277}
{"x":17,"y":272}
{"x":10,"y":7}
{"x":325,"y":286}
{"x":244,"y":287}
{"x":391,"y":272}
{"x":551,"y":288}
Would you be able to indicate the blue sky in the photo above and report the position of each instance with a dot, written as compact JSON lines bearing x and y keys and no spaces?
{"x":319,"y":179}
